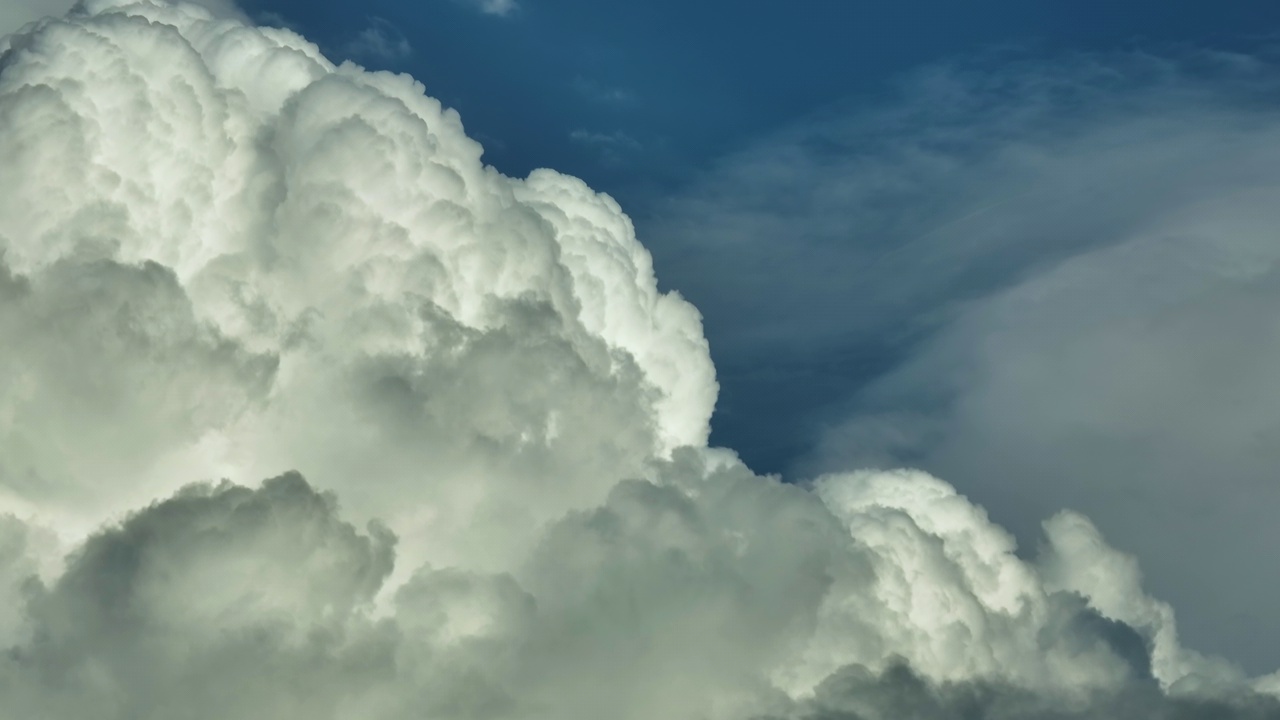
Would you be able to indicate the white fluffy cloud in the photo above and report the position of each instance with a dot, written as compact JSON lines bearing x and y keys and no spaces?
{"x":224,"y":257}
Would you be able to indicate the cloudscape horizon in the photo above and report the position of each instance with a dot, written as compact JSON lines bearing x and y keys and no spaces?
{"x":308,"y":412}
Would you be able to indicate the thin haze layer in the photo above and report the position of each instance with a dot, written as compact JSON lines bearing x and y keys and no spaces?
{"x":224,"y":257}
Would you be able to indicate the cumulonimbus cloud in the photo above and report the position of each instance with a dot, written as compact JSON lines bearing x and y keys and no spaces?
{"x":225,"y":258}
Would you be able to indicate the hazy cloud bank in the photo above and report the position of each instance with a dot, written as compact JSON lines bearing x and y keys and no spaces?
{"x":1051,"y":283}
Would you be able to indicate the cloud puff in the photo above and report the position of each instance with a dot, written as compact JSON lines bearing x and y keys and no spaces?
{"x":604,"y":94}
{"x":380,"y":41}
{"x":225,"y":257}
{"x":501,"y":8}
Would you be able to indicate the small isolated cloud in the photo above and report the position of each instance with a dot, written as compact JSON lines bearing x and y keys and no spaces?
{"x":501,"y":8}
{"x":611,"y":147}
{"x":603,"y":94}
{"x":380,"y":41}
{"x":616,"y":139}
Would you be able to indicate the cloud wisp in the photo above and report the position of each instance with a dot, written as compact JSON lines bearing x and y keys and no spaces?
{"x":484,"y":431}
{"x":613,"y":148}
{"x":603,"y":94}
{"x":14,"y":14}
{"x":500,"y":8}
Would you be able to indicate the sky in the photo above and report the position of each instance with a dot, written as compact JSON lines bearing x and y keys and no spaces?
{"x":827,"y":360}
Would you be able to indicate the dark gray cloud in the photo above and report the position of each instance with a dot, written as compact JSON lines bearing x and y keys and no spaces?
{"x":108,"y":366}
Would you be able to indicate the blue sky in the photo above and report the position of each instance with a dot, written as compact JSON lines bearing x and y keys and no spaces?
{"x":1024,"y":246}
